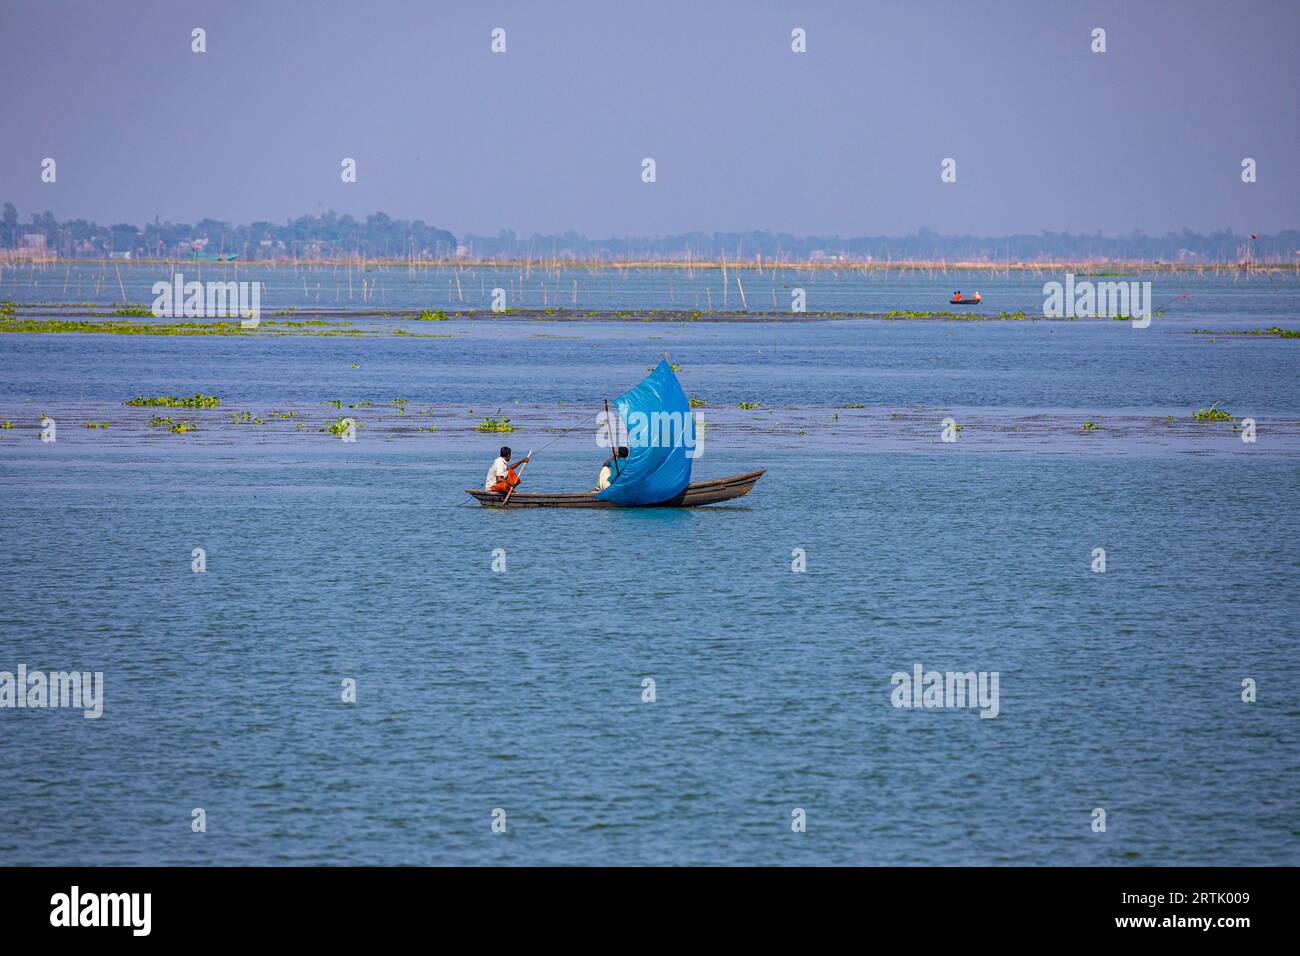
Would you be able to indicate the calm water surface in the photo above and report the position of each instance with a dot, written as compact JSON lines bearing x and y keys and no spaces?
{"x":522,"y":690}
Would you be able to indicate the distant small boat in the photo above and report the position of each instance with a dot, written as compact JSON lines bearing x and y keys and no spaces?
{"x":975,"y":300}
{"x":214,"y":257}
{"x":696,"y":494}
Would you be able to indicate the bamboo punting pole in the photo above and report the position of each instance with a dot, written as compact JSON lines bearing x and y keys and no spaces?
{"x":511,"y":491}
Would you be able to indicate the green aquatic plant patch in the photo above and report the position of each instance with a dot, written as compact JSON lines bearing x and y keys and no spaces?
{"x":494,"y":425}
{"x":1212,"y":414}
{"x":339,"y":426}
{"x":197,"y":400}
{"x":176,"y":427}
{"x":1272,"y":331}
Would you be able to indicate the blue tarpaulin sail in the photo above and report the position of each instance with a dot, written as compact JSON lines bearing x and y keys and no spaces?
{"x":659,"y":435}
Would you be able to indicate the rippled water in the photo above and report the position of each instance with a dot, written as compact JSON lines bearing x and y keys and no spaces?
{"x":523,"y":690}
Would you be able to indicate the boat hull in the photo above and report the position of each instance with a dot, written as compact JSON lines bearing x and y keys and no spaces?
{"x":696,"y":494}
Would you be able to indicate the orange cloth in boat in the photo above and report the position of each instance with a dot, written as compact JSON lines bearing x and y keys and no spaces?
{"x":511,"y":480}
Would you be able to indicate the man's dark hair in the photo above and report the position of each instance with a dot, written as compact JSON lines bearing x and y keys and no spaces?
{"x":505,"y":452}
{"x":622,"y":451}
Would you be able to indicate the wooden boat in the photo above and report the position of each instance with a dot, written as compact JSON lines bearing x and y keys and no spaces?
{"x":697,"y":493}
{"x":964,"y":301}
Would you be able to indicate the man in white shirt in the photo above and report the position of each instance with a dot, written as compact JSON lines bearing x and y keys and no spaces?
{"x":499,"y":473}
{"x":612,"y":468}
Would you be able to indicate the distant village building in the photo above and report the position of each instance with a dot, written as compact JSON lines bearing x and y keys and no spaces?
{"x":33,"y":248}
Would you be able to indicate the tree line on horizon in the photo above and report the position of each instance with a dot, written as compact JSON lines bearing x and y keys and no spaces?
{"x":324,"y":236}
{"x":924,"y":245}
{"x":331,"y":235}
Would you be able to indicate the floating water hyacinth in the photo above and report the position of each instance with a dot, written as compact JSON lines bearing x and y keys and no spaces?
{"x":340,"y":426}
{"x":40,"y":326}
{"x":1211,"y":414}
{"x":1273,"y":331}
{"x":184,"y":425}
{"x":197,"y":400}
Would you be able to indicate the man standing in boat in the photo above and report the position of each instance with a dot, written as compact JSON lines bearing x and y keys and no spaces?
{"x":611,"y":469}
{"x":501,"y":476}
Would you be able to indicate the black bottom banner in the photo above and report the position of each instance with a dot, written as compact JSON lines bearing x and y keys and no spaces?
{"x":218,"y":904}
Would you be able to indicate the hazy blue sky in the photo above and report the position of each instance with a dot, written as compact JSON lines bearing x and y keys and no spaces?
{"x":846,"y":138}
